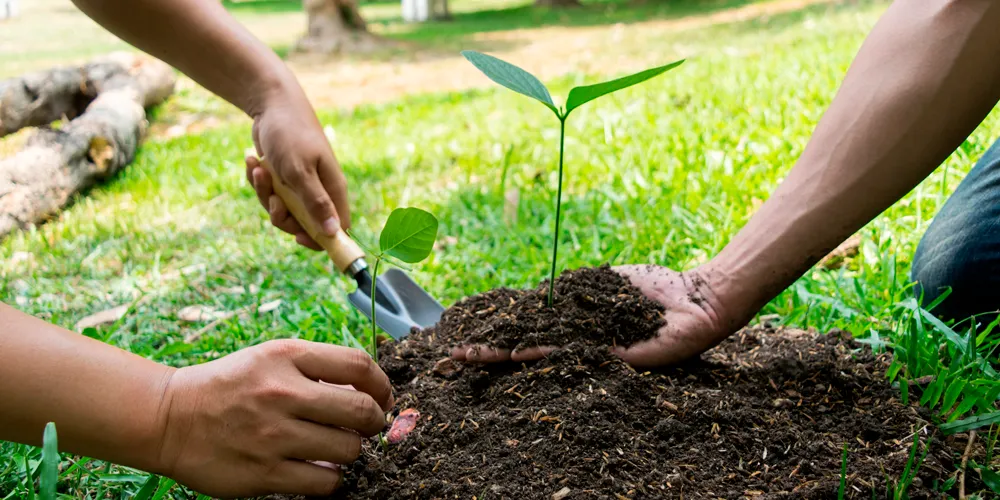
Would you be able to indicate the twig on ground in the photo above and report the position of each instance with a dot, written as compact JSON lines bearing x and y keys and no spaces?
{"x":965,"y":461}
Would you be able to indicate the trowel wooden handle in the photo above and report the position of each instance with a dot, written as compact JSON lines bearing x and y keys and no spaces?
{"x":342,"y":249}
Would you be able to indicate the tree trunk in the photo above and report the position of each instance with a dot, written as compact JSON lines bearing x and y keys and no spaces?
{"x":557,"y":3}
{"x":336,"y":26}
{"x":105,"y":101}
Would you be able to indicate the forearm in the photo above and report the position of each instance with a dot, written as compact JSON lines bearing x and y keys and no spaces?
{"x":202,"y":40}
{"x":104,"y":401}
{"x":922,"y":82}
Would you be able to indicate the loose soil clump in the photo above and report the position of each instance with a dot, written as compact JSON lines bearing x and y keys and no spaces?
{"x":763,"y":415}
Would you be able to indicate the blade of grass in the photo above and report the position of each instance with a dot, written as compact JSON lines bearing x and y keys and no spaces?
{"x":49,"y":475}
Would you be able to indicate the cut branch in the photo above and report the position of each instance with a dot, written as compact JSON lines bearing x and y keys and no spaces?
{"x":105,"y":102}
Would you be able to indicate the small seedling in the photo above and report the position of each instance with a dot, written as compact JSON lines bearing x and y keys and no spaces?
{"x":525,"y":83}
{"x":408,"y":236}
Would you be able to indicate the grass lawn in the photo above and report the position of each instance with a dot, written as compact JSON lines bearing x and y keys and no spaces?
{"x":663,"y":173}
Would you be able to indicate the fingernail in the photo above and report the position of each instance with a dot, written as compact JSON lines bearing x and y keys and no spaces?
{"x":272,"y":205}
{"x":331,"y":225}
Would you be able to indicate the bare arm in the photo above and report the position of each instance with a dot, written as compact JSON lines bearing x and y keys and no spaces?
{"x":243,"y":425}
{"x":50,"y":374}
{"x":924,"y":79}
{"x":201,"y":39}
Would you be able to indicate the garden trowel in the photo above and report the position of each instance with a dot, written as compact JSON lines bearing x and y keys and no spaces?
{"x":400,"y":304}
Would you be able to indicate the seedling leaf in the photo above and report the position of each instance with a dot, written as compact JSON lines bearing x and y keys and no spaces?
{"x":970,"y":423}
{"x":582,"y":95}
{"x":409,"y":234}
{"x":512,"y":77}
{"x":49,"y":475}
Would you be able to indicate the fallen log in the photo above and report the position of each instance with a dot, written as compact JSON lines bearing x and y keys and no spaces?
{"x":105,"y":102}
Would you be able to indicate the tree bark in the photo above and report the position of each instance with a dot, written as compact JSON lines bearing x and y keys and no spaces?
{"x":105,"y":101}
{"x":336,"y":26}
{"x":557,"y":3}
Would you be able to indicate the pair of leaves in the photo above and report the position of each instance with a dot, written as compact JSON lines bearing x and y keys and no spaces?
{"x":522,"y":82}
{"x":408,"y":235}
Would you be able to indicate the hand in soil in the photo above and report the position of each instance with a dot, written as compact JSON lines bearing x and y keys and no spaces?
{"x":692,"y":316}
{"x":692,"y":323}
{"x":260,"y":421}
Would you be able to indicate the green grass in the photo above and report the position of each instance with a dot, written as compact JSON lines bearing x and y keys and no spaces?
{"x":664,"y":173}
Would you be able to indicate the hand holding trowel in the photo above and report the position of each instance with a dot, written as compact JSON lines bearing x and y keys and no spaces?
{"x":400,"y":304}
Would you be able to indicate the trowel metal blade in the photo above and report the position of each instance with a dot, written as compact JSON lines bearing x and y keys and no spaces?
{"x":413,"y":307}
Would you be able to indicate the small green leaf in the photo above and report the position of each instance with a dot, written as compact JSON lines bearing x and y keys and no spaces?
{"x":49,"y":475}
{"x":148,"y":488}
{"x":164,"y":488}
{"x":992,"y":479}
{"x":970,"y":423}
{"x":512,"y":77}
{"x":951,"y":395}
{"x":963,"y":407}
{"x":409,"y":234}
{"x":582,"y":95}
{"x":28,"y":480}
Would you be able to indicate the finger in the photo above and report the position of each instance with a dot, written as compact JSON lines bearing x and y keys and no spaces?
{"x":304,"y":240}
{"x":480,"y":354}
{"x":281,"y":218}
{"x":657,"y":352}
{"x":332,"y":177}
{"x":316,"y":201}
{"x":303,"y":478}
{"x":315,"y":442}
{"x":251,"y":164}
{"x":261,"y":181}
{"x":344,"y":408}
{"x":345,"y":366}
{"x":532,"y":353}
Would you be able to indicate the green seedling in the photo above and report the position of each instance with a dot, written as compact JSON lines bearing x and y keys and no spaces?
{"x":408,"y":236}
{"x":522,"y":82}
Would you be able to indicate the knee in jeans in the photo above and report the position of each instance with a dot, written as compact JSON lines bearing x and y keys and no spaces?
{"x":957,"y":272}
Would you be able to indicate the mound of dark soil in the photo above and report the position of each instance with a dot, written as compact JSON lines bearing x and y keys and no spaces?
{"x":764,"y":415}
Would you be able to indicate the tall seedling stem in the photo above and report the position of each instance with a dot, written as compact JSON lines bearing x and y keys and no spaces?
{"x":525,"y":83}
{"x":555,"y":240}
{"x":378,"y":260}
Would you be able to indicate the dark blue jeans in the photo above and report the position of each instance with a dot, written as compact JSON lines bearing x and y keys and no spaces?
{"x":961,"y":249}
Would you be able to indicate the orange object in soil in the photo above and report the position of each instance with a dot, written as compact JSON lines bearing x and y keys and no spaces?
{"x":403,"y":425}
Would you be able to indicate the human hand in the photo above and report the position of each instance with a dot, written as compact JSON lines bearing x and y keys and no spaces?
{"x":267,"y":419}
{"x":288,"y":134}
{"x":695,"y":321}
